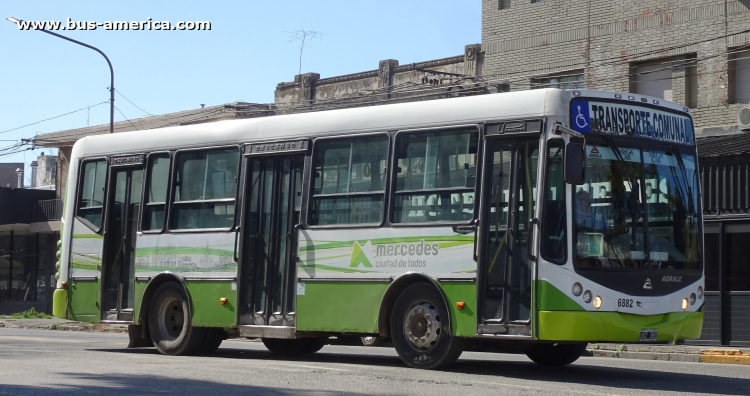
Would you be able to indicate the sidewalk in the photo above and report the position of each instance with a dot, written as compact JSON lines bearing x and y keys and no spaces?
{"x":672,"y":353}
{"x":61,"y":324}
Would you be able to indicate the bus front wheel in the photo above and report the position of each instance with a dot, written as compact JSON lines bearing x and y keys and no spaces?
{"x":170,"y":324}
{"x":420,"y":329}
{"x":555,"y":354}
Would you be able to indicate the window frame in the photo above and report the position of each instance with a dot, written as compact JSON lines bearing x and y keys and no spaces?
{"x":79,"y":193}
{"x":311,"y":185}
{"x":543,"y":199}
{"x":393,"y":178}
{"x":173,"y":185}
{"x":537,"y":82}
{"x":146,"y":181}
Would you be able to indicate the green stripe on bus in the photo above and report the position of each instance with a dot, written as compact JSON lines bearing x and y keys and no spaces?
{"x":552,"y":299}
{"x":334,"y":269}
{"x":587,"y":326}
{"x":381,"y":241}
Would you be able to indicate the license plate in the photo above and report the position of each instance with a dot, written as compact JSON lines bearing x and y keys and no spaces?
{"x":647,"y":335}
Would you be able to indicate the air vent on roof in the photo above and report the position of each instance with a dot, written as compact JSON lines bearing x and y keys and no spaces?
{"x":743,"y":118}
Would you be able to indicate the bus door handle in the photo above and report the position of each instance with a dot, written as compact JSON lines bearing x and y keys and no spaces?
{"x":291,"y":237}
{"x":473,"y":227}
{"x":236,"y":238}
{"x":533,"y":223}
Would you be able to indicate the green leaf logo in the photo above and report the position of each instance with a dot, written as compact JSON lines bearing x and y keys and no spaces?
{"x":359,"y":256}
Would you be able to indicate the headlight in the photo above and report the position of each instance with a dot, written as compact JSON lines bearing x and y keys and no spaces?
{"x":684,"y":303}
{"x":587,"y":296}
{"x":692,"y":298}
{"x":597,"y":302}
{"x":700,"y":292}
{"x":577,"y":289}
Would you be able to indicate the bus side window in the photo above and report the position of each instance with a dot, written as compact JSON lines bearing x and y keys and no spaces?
{"x":554,"y":237}
{"x":436,"y":176}
{"x":205,"y":189}
{"x":155,"y":199}
{"x":349,"y":180}
{"x":91,"y":200}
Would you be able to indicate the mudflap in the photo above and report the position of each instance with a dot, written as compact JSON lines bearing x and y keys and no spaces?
{"x":139,"y":337}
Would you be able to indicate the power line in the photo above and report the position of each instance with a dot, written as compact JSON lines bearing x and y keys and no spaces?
{"x":118,"y":91}
{"x":131,"y":123}
{"x":52,"y":118}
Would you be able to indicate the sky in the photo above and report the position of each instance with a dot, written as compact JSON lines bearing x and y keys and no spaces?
{"x":243,"y":57}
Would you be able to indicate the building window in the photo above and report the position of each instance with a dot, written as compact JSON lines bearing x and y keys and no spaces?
{"x":739,"y":75}
{"x":435,"y":176}
{"x":568,"y":80}
{"x":349,"y":180}
{"x":503,"y":4}
{"x":205,"y":189}
{"x":658,"y":79}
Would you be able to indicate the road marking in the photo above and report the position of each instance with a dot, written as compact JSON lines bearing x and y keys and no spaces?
{"x":580,"y":392}
{"x":53,"y":340}
{"x":313,"y":367}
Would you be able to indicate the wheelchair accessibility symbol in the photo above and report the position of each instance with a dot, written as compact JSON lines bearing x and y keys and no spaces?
{"x":581,"y":117}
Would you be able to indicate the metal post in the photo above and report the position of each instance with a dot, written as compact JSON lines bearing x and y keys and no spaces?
{"x":111,"y":71}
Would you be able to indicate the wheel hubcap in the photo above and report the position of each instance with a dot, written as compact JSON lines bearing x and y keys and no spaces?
{"x":422,"y":325}
{"x":171,"y":318}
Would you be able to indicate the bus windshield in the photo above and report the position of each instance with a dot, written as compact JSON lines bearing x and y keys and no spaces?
{"x":638,"y":208}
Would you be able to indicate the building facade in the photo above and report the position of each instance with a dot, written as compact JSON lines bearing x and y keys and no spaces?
{"x":687,"y":51}
{"x":29,"y":232}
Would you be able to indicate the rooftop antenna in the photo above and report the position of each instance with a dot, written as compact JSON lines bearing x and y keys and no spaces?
{"x":203,"y":106}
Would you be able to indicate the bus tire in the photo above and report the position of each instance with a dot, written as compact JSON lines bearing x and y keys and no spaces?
{"x":420,"y":329}
{"x":214,"y":338}
{"x":298,"y":346}
{"x":170,"y":322}
{"x":555,"y":354}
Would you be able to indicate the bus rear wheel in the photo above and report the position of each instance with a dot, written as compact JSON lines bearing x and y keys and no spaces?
{"x":214,"y":337}
{"x":555,"y":354}
{"x":299,"y":346}
{"x":420,"y":329}
{"x":170,"y":324}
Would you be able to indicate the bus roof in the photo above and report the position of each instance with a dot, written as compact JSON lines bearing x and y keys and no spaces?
{"x":454,"y":111}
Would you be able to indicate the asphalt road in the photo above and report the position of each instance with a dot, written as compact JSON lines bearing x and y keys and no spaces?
{"x":56,"y":362}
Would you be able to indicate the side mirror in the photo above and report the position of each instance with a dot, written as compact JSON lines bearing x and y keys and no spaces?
{"x":574,"y":163}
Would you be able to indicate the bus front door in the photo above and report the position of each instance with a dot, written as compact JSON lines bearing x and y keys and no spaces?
{"x":273,"y":202}
{"x":118,"y":270}
{"x":504,"y":267}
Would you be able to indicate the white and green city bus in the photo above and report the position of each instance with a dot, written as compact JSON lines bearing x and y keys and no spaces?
{"x":540,"y":220}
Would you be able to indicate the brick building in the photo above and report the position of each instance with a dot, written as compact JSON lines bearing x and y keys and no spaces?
{"x":687,"y":51}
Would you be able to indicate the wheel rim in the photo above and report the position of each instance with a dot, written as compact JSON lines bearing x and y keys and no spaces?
{"x":368,"y":340}
{"x":422,"y":325}
{"x":171,"y":318}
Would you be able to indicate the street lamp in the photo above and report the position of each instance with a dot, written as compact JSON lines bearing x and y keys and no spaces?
{"x":111,"y":71}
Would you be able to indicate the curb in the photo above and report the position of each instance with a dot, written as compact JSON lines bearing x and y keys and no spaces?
{"x":669,"y":353}
{"x":726,"y":356}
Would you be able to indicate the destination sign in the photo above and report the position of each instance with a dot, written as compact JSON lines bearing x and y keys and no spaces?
{"x":264,"y":148}
{"x":127,"y":160}
{"x":630,"y":120}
